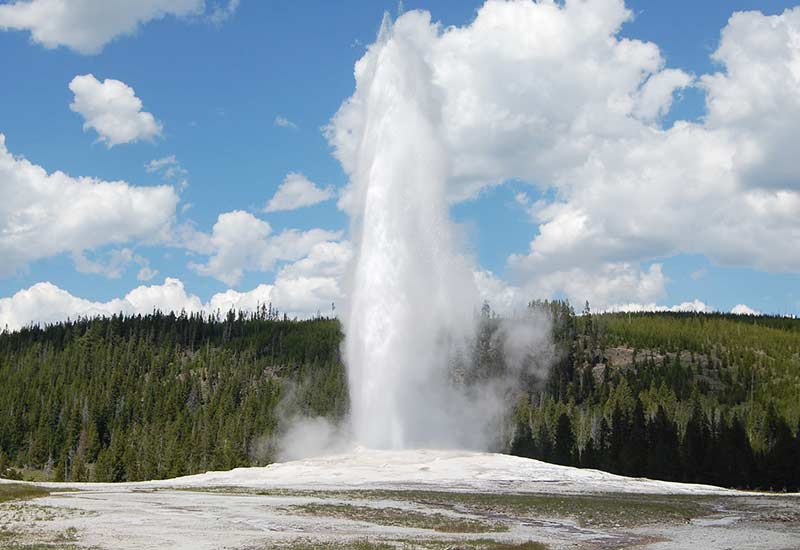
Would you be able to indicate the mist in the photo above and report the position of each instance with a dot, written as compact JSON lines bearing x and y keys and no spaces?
{"x":412,"y":317}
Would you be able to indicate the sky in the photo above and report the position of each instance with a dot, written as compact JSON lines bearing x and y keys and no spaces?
{"x":182,"y":154}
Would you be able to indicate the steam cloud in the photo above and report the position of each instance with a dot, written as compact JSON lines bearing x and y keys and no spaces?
{"x":412,"y":297}
{"x":411,"y":294}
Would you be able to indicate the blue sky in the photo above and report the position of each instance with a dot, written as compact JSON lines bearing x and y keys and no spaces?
{"x":217,"y":90}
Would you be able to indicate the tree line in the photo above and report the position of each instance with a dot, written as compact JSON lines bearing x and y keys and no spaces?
{"x":692,"y":397}
{"x":155,"y":396}
{"x":685,"y":397}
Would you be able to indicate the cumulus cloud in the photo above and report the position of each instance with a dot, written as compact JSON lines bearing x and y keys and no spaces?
{"x":554,"y":94}
{"x":526,"y":89}
{"x":239,"y":242}
{"x":314,"y":282}
{"x":655,"y":95}
{"x":302,"y":289}
{"x":86,"y":26}
{"x":603,"y":285}
{"x":297,"y":191}
{"x":695,"y":306}
{"x":112,"y":109}
{"x":755,"y":100}
{"x":43,"y":214}
{"x":325,"y":259}
{"x":742,"y":309}
{"x":45,"y":303}
{"x":240,"y":301}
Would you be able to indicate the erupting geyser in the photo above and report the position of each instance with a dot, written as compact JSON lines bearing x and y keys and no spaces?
{"x":411,"y":295}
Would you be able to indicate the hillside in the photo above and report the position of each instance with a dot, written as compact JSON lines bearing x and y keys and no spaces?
{"x":708,"y":398}
{"x":131,"y":398}
{"x":682,"y":397}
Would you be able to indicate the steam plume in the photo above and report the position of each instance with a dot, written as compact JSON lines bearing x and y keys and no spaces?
{"x":412,"y":295}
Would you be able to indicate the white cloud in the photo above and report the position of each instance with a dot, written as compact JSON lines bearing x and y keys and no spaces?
{"x":297,"y":191}
{"x":86,"y":26}
{"x":112,"y":109}
{"x":43,"y":214}
{"x":308,"y":294}
{"x":240,"y":301}
{"x":301,"y":290}
{"x":283,"y":122}
{"x":170,"y":169}
{"x":526,"y":89}
{"x":742,"y":309}
{"x":46,"y":303}
{"x":116,"y":264}
{"x":314,"y":282}
{"x":146,"y":273}
{"x":221,"y":12}
{"x":239,"y":242}
{"x":553,"y":93}
{"x":522,"y":199}
{"x":603,"y":286}
{"x":501,"y":296}
{"x":694,"y":306}
{"x":168,"y":166}
{"x":171,"y":296}
{"x":655,"y":96}
{"x":601,"y":289}
{"x":325,"y":259}
{"x":755,"y":102}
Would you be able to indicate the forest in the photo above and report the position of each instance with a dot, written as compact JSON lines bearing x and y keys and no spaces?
{"x":158,"y":396}
{"x":708,"y":398}
{"x":692,"y":397}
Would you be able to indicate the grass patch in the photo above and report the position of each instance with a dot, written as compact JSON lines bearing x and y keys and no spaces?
{"x":20,"y":491}
{"x":470,"y":544}
{"x":521,"y":546}
{"x":7,"y":535}
{"x":395,"y":517}
{"x":352,"y":545}
{"x":34,"y":475}
{"x":39,"y":540}
{"x":588,"y":510}
{"x":70,"y":535}
{"x":599,"y":510}
{"x":44,"y":546}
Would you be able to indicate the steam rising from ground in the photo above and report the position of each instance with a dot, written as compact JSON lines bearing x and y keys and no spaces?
{"x":412,"y":312}
{"x":311,"y":436}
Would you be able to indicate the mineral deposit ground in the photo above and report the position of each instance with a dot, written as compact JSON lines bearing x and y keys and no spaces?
{"x":396,"y":499}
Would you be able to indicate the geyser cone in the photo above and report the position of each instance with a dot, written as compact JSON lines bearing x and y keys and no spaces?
{"x":411,"y":295}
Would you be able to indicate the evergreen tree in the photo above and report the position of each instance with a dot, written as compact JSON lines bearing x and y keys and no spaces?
{"x":634,"y":446}
{"x":565,"y":442}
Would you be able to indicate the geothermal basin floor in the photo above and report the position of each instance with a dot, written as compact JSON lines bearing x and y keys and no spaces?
{"x":370,"y":499}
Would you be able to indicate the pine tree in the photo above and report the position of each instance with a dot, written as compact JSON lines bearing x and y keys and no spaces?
{"x":565,"y":442}
{"x":634,"y":447}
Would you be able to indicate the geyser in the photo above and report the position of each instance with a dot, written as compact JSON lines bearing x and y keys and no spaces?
{"x":411,"y":294}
